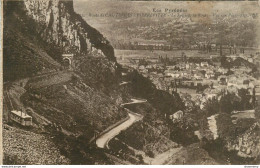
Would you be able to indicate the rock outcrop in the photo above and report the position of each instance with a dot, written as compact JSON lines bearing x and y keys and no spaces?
{"x":37,"y":33}
{"x":60,"y":25}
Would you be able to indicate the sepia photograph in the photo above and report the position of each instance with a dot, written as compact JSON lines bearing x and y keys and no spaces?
{"x":121,"y":82}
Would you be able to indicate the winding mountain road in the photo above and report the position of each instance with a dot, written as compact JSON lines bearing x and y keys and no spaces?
{"x":102,"y":141}
{"x":135,"y":101}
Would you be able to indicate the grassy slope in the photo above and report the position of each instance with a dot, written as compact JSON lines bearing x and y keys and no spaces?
{"x":23,"y":58}
{"x":74,"y":106}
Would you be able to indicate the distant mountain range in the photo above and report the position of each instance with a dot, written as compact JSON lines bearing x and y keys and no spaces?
{"x":237,"y":28}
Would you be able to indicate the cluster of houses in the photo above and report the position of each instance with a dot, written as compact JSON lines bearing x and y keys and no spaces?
{"x":250,"y":58}
{"x":193,"y":75}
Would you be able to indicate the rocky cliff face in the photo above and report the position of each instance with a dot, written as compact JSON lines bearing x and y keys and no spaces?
{"x":60,"y":25}
{"x":37,"y":32}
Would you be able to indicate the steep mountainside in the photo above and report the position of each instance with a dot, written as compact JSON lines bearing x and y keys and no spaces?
{"x":63,"y":27}
{"x":66,"y":105}
{"x":53,"y":26}
{"x":70,"y":107}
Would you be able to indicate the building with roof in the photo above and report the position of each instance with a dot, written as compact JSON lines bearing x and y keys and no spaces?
{"x":176,"y":116}
{"x":204,"y":64}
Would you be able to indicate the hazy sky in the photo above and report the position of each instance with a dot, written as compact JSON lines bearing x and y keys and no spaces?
{"x":86,"y":7}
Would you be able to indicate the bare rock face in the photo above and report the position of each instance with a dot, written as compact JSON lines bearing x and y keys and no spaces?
{"x":60,"y":25}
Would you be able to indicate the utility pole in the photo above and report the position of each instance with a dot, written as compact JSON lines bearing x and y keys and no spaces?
{"x":8,"y":112}
{"x":5,"y":107}
{"x":8,"y":97}
{"x":220,"y":49}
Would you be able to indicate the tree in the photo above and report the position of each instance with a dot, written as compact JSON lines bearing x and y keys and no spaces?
{"x":212,"y":106}
{"x":229,"y":72}
{"x":257,"y":113}
{"x":224,"y":62}
{"x":150,"y":154}
{"x":203,"y":72}
{"x":245,"y":99}
{"x":254,"y":98}
{"x":226,"y":104}
{"x":143,"y":62}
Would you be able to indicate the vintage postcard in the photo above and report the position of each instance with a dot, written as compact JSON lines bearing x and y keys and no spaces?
{"x":114,"y":82}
